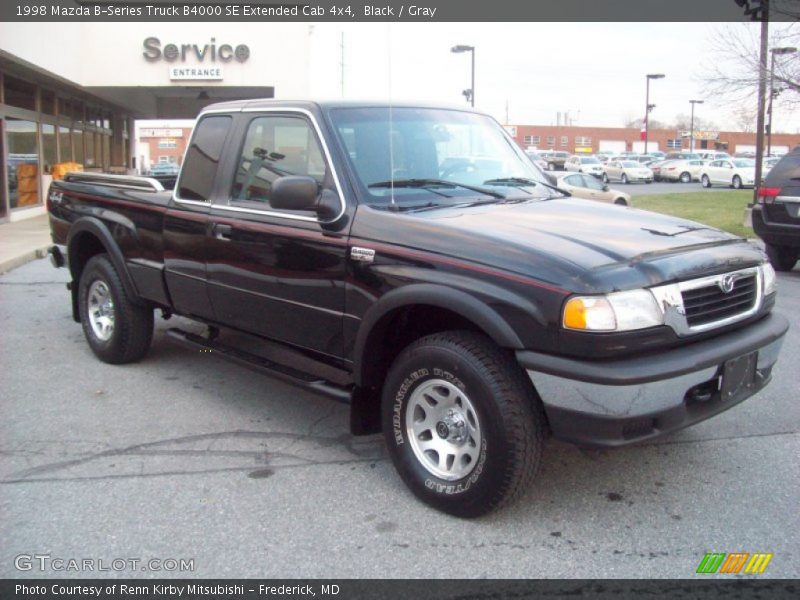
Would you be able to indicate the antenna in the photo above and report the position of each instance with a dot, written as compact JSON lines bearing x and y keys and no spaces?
{"x":341,"y":63}
{"x":392,"y":204}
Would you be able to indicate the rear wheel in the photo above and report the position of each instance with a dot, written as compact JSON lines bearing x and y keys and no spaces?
{"x":462,"y":423}
{"x":624,"y":179}
{"x":705,"y":181}
{"x":782,"y":258}
{"x":117,"y":330}
{"x":605,"y":178}
{"x":737,"y":182}
{"x":686,"y":177}
{"x":621,"y":202}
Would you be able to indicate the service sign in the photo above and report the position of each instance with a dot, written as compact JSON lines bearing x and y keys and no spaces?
{"x":195,"y":73}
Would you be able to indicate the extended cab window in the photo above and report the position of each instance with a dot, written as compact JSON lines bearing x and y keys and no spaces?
{"x":202,"y":158}
{"x":274,"y":147}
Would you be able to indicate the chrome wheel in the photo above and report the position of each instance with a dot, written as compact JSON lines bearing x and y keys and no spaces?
{"x":100,"y":308}
{"x":443,"y":429}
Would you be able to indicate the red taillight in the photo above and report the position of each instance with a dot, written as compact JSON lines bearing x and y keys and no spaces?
{"x":766,"y":195}
{"x":670,"y":168}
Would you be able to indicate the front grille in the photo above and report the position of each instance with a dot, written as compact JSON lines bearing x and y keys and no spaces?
{"x":709,"y":303}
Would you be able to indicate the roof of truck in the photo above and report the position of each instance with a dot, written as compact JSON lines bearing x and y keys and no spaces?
{"x":239,"y":105}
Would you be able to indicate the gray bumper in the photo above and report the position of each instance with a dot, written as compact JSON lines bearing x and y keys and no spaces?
{"x":613,"y":403}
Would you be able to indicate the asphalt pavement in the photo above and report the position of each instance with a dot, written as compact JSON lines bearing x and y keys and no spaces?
{"x":185,"y":456}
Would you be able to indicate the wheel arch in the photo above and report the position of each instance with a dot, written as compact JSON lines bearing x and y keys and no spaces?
{"x":88,"y":237}
{"x":402,"y":316}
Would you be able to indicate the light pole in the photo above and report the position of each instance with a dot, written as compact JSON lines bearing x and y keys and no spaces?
{"x":691,"y":126}
{"x":774,"y":51}
{"x":649,"y":107}
{"x":470,"y":93}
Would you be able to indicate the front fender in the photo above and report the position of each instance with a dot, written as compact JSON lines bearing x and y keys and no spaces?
{"x":467,"y":306}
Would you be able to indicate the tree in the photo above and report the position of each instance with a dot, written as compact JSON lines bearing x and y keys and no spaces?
{"x":654,"y":124}
{"x":684,"y":121}
{"x":732,"y":72}
{"x":745,"y":118}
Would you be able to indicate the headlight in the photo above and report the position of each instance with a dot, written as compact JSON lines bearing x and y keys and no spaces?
{"x":619,"y":311}
{"x":768,"y":273}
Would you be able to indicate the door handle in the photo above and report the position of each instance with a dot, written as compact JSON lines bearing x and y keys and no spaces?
{"x":222,"y":232}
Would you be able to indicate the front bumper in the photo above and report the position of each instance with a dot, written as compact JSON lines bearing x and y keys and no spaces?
{"x":619,"y":402}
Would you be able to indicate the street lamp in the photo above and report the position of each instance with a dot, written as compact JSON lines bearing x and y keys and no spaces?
{"x":691,"y":127}
{"x":786,"y":50}
{"x":470,"y":93}
{"x":649,"y":107}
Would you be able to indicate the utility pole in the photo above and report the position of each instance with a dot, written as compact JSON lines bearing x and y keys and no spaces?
{"x":762,"y":93}
{"x":341,"y":63}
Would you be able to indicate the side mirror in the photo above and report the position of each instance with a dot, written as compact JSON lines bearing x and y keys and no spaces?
{"x":301,"y":192}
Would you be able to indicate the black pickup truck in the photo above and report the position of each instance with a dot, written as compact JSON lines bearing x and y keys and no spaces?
{"x":412,"y":261}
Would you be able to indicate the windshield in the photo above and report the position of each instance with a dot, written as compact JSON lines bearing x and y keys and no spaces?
{"x":409,"y":155}
{"x":590,"y":161}
{"x":744,"y":162}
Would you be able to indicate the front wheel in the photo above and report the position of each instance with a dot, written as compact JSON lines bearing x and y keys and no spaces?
{"x":705,"y":181}
{"x":605,"y":178}
{"x":737,"y":182}
{"x":621,"y":202}
{"x":463,"y":424}
{"x":686,"y":177}
{"x":624,"y":179}
{"x":118,"y":331}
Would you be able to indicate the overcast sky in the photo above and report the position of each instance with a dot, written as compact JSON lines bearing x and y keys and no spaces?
{"x":594,"y":71}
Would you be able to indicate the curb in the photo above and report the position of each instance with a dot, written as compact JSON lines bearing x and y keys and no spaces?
{"x":22,"y":259}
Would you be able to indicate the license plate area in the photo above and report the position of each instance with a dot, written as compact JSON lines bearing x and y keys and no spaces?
{"x":738,"y":375}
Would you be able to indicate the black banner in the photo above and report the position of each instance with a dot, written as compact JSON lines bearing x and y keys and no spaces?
{"x":390,"y":589}
{"x":398,"y":11}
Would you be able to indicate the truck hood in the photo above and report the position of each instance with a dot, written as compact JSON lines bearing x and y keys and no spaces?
{"x":579,"y":245}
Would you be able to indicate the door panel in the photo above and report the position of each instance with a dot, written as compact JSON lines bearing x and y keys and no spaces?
{"x":186,"y":222}
{"x":279,"y":274}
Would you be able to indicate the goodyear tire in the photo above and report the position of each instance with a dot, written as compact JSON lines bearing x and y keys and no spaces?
{"x":463,"y":425}
{"x":117,"y":330}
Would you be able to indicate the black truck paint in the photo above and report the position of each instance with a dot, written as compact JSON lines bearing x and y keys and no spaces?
{"x":343,"y":288}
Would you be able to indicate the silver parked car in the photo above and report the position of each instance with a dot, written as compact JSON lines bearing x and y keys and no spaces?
{"x":626,"y":171}
{"x":584,"y":164}
{"x":684,"y":171}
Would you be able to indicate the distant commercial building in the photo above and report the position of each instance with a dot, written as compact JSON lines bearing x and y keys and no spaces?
{"x":621,"y":139}
{"x":162,"y":145}
{"x":70,"y":92}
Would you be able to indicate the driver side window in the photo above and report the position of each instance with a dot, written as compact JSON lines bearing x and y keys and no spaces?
{"x":275,"y":147}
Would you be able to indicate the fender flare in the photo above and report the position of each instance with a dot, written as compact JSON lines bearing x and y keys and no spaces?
{"x":457,"y":301}
{"x":98,"y":229}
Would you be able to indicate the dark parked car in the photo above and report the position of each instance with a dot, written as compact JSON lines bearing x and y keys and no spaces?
{"x":556,"y":160}
{"x":463,"y":306}
{"x":776,"y":216}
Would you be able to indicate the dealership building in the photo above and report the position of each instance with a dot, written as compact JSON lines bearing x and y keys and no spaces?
{"x":576,"y":140}
{"x":70,"y":92}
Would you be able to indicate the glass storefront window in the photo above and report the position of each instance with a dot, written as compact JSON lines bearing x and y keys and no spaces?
{"x":90,"y":156}
{"x":49,"y":146}
{"x":19,"y":93}
{"x":77,"y":145}
{"x":106,"y":151}
{"x":23,"y":163}
{"x":66,"y":144}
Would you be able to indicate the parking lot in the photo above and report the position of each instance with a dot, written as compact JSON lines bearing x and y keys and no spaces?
{"x":185,"y":456}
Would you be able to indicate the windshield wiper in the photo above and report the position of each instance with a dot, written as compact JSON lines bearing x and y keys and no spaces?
{"x":423,"y":183}
{"x":524,"y":182}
